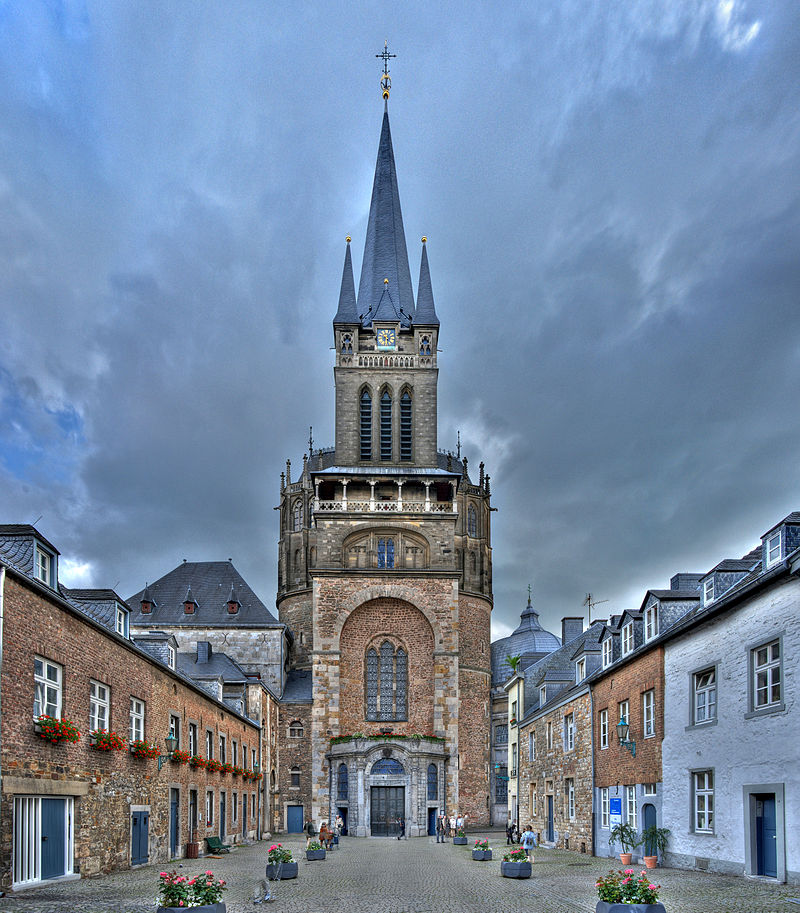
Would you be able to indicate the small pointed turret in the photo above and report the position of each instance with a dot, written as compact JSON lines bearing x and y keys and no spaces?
{"x":425,"y":314}
{"x":347,"y":312}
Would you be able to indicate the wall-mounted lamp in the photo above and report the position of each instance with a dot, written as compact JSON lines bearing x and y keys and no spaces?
{"x":172,"y":743}
{"x":622,"y":732}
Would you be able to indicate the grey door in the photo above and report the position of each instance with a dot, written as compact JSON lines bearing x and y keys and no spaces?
{"x":174,"y":818}
{"x":140,"y":835}
{"x":550,"y":834}
{"x":222,"y":816}
{"x":766,"y":836}
{"x":54,"y":828}
{"x":387,"y":807}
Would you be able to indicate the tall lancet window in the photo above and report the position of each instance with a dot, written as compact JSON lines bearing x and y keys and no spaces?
{"x":366,"y":425}
{"x":387,"y":680}
{"x":405,"y":426}
{"x":387,"y":683}
{"x":386,"y":425}
{"x":372,"y":685}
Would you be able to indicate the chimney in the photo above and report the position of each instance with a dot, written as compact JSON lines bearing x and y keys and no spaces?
{"x":203,"y":651}
{"x":571,"y":627}
{"x":189,"y":603}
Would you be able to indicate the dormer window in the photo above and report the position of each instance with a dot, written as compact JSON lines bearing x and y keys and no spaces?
{"x":708,"y":591}
{"x":627,"y":638}
{"x":121,"y":621}
{"x":43,"y":566}
{"x":172,"y":656}
{"x":607,"y":652}
{"x":542,"y":695}
{"x":651,"y":621}
{"x":773,"y":548}
{"x":580,"y":670}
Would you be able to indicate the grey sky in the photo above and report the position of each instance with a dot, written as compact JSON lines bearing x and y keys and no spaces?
{"x":611,"y":198}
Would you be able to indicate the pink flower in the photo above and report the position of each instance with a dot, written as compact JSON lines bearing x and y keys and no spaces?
{"x":629,"y":871}
{"x":163,"y":875}
{"x":652,"y":887}
{"x":209,"y":873}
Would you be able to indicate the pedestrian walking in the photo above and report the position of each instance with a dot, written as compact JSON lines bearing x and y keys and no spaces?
{"x":528,"y":841}
{"x":402,"y":823}
{"x":509,"y":832}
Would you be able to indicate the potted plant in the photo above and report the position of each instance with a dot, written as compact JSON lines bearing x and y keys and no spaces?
{"x":654,"y":841}
{"x":481,"y":852}
{"x":141,"y":748}
{"x":628,"y":839}
{"x":460,"y":838}
{"x":315,"y":850}
{"x":621,"y":892}
{"x":280,"y":863}
{"x":102,"y":740}
{"x":201,"y":893}
{"x":55,"y":730}
{"x":515,"y":864}
{"x":179,"y":757}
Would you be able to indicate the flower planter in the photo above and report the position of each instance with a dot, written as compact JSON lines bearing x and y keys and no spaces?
{"x":287,"y":870}
{"x":625,"y":858}
{"x":516,"y":870}
{"x":605,"y":907}
{"x":206,"y":908}
{"x":311,"y":855}
{"x":460,"y":841}
{"x":482,"y":855}
{"x":650,"y":861}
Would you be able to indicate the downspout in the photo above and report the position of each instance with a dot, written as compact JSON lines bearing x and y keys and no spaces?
{"x":519,"y":751}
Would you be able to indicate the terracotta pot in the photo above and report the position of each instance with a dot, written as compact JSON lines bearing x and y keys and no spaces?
{"x":650,"y":861}
{"x":625,"y":858}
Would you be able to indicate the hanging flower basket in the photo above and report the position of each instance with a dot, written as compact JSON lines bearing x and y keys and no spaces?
{"x":55,"y":730}
{"x":197,"y":761}
{"x":103,"y":740}
{"x":179,"y":757}
{"x":141,"y":748}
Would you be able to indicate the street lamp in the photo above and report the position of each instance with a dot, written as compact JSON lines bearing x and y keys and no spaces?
{"x":172,"y":743}
{"x":622,"y":732}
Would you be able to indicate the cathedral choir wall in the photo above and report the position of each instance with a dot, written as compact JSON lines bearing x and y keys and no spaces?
{"x":295,"y":765}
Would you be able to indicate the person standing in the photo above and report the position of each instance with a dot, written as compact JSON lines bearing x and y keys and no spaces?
{"x":340,"y":826}
{"x":440,"y":828}
{"x":402,"y":824}
{"x":528,"y":841}
{"x":311,"y":832}
{"x":509,"y":832}
{"x":452,"y":823}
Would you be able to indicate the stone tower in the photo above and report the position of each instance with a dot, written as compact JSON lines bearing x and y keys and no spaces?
{"x":385,"y":562}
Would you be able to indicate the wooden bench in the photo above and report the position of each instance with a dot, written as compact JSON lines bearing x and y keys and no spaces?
{"x":215,"y":845}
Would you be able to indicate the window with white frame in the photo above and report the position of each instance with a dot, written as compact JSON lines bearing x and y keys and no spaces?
{"x":708,"y":591}
{"x":627,"y":638}
{"x":209,"y":744}
{"x":649,"y":714}
{"x":604,"y":728}
{"x":99,"y":705}
{"x":47,"y":678}
{"x":651,"y":621}
{"x":136,"y":720}
{"x":704,"y":698}
{"x":604,"y":813}
{"x":121,"y":623}
{"x":607,"y":652}
{"x":549,"y":735}
{"x":569,"y":797}
{"x":209,"y":808}
{"x":234,"y":753}
{"x":222,"y":749}
{"x":569,"y":732}
{"x":514,"y":759}
{"x":172,"y":656}
{"x":648,"y":789}
{"x":175,"y":728}
{"x":542,"y":695}
{"x":44,"y":566}
{"x":766,"y":665}
{"x":773,"y":548}
{"x":531,"y":746}
{"x":580,"y":670}
{"x":624,"y":712}
{"x":192,"y":738}
{"x":703,"y":801}
{"x":630,"y":805}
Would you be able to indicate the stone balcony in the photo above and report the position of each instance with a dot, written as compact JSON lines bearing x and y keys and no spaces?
{"x":400,"y":506}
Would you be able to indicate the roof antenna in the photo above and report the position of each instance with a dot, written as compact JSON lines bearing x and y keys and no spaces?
{"x":591,"y":602}
{"x":37,"y":520}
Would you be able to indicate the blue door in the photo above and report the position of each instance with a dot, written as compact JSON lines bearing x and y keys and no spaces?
{"x":54,"y":829}
{"x":294,"y":819}
{"x":649,"y":820}
{"x":432,"y":822}
{"x":174,"y":805}
{"x":766,"y":836}
{"x":140,"y":837}
{"x":550,"y":834}
{"x":222,"y":816}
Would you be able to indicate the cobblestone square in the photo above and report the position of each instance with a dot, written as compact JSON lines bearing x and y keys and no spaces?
{"x":409,"y":876}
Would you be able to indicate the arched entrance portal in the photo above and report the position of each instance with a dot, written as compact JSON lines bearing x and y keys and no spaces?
{"x":387,"y":798}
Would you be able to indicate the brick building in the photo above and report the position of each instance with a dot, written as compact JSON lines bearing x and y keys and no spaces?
{"x":69,"y":809}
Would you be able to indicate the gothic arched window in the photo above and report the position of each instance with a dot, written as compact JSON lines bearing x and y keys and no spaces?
{"x":386,"y":681}
{"x":385,"y":553}
{"x":386,"y":425}
{"x":366,"y":425}
{"x":342,"y":782}
{"x":297,"y":519}
{"x":472,"y":521}
{"x":405,"y":426}
{"x":433,"y":783}
{"x":425,"y":345}
{"x":347,"y":344}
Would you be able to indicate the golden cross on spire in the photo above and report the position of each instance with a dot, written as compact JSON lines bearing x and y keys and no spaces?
{"x":386,"y":80}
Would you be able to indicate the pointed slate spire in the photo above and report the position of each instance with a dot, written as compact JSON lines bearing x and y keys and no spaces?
{"x":385,"y":254}
{"x":426,"y":312}
{"x":347,"y":312}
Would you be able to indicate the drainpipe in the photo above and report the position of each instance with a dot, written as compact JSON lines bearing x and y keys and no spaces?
{"x":519,"y":752}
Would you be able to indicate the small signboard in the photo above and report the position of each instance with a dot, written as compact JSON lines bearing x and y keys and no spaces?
{"x":615,"y":810}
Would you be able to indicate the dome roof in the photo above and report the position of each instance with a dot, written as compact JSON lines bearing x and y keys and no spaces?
{"x":528,"y":640}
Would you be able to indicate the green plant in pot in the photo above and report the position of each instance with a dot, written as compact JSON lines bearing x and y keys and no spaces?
{"x":655,"y":841}
{"x":626,"y":836}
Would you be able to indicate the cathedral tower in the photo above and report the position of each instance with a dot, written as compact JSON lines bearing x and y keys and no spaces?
{"x":385,"y":562}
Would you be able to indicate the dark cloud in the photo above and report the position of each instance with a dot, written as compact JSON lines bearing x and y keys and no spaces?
{"x":612,"y":203}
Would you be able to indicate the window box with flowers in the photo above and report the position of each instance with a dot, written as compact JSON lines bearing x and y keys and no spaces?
{"x":179,"y":757}
{"x":238,"y":771}
{"x":55,"y":730}
{"x":621,"y":892}
{"x":198,"y":762}
{"x":103,"y":740}
{"x":213,"y":765}
{"x":481,"y":852}
{"x":516,"y":864}
{"x":200,"y":893}
{"x":142,"y":749}
{"x":226,"y":769}
{"x":280,"y":864}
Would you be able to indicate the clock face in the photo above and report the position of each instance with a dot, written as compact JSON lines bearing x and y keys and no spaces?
{"x":386,"y":339}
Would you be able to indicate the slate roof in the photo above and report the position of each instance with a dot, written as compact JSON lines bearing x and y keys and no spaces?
{"x":792,"y":519}
{"x":299,"y":687}
{"x":733,"y":564}
{"x":529,"y":637}
{"x":426,"y":311}
{"x":219,"y":665}
{"x":347,"y":311}
{"x":16,"y":545}
{"x":98,"y":604}
{"x":210,"y":583}
{"x":670,"y":594}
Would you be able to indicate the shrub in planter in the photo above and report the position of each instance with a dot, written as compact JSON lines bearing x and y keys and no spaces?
{"x":460,"y":838}
{"x":179,"y":757}
{"x":315,"y":850}
{"x":55,"y":730}
{"x":141,"y":748}
{"x":199,"y":893}
{"x":280,"y":863}
{"x":622,"y":891}
{"x":515,"y":864}
{"x":654,"y":841}
{"x":481,"y":852}
{"x":103,"y":740}
{"x":624,"y":834}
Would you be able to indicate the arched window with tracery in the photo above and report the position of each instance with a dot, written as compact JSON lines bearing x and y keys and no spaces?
{"x":386,"y":425}
{"x":297,"y":517}
{"x":472,"y":521}
{"x":347,"y":344}
{"x":342,"y":786}
{"x":387,"y":766}
{"x":386,"y":680}
{"x":365,"y":417}
{"x":405,"y":426}
{"x":433,"y":783}
{"x":425,"y":345}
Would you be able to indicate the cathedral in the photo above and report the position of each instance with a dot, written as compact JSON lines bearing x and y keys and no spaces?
{"x":384,"y":574}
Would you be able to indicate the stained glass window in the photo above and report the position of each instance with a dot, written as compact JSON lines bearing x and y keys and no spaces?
{"x":386,"y":553}
{"x":342,"y":791}
{"x":433,"y":783}
{"x":405,"y":426}
{"x":372,"y":685}
{"x":386,"y":425}
{"x":366,"y":426}
{"x":387,"y":766}
{"x":401,"y":695}
{"x":387,"y":680}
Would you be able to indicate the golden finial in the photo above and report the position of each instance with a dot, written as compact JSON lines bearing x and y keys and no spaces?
{"x":348,"y":239}
{"x":424,"y":239}
{"x":386,"y":80}
{"x":385,"y":281}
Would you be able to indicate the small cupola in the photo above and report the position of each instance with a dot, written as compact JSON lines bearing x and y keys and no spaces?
{"x":189,"y":603}
{"x":146,"y":601}
{"x":233,"y":603}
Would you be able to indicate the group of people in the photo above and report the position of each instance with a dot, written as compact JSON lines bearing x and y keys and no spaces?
{"x":526,"y":839}
{"x":449,"y":827}
{"x":327,"y":836}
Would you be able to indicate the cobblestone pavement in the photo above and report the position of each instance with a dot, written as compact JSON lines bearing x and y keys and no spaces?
{"x":410,"y":876}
